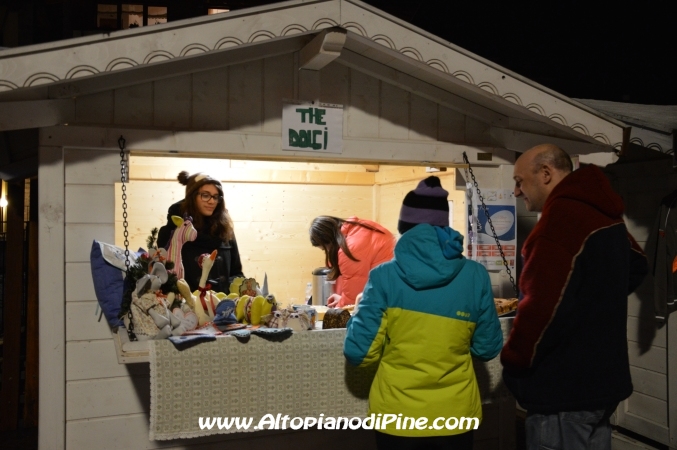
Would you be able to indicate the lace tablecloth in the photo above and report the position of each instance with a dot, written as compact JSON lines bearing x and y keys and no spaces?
{"x":304,"y":375}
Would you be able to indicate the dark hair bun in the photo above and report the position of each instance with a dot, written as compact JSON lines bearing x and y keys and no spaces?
{"x":183,"y":177}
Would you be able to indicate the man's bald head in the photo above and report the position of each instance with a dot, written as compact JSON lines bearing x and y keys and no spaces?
{"x":537,"y":172}
{"x":551,"y":155}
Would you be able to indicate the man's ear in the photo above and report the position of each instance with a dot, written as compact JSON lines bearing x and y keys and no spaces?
{"x":546,"y":174}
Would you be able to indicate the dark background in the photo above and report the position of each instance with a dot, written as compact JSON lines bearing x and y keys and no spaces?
{"x":620,"y":51}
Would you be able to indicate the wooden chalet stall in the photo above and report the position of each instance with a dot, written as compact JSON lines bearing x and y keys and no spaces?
{"x":207,"y":94}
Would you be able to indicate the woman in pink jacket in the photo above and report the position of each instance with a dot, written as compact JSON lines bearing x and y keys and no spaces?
{"x":352,"y":248}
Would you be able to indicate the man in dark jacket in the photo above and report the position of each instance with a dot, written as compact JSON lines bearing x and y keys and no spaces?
{"x":566,"y":360}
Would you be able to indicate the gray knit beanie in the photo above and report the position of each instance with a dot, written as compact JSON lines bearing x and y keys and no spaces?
{"x":425,"y":204}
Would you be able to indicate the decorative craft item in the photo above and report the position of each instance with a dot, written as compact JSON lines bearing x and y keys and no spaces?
{"x":150,"y":316}
{"x":185,"y":232}
{"x":186,"y":315}
{"x":204,"y":301}
{"x":249,"y":287}
{"x":310,"y":311}
{"x":277,"y":319}
{"x":335,"y":318}
{"x":141,"y":268}
{"x":250,"y":309}
{"x":299,"y":321}
{"x":225,"y":317}
{"x":235,"y":286}
{"x":288,"y":318}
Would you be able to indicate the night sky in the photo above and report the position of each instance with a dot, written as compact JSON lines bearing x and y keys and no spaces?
{"x":620,"y":53}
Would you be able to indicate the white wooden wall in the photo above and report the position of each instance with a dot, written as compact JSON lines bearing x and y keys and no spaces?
{"x":106,"y":403}
{"x":248,"y":97}
{"x":652,"y":409}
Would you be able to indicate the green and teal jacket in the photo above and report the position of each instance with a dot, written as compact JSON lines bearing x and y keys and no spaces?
{"x":421,"y":317}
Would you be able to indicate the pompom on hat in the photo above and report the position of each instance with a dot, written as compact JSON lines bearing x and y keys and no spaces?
{"x":425,"y":204}
{"x":196,"y":181}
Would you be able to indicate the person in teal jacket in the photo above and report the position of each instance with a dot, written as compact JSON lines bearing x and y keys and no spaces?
{"x":423,"y":315}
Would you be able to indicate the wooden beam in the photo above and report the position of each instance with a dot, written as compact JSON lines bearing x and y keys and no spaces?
{"x":30,"y":415}
{"x":421,"y":88}
{"x":409,"y":174}
{"x":322,"y":50}
{"x":268,"y":146}
{"x":521,"y":141}
{"x":36,"y":114}
{"x":52,"y":346}
{"x":13,"y":295}
{"x":371,"y":167}
{"x":151,"y":173}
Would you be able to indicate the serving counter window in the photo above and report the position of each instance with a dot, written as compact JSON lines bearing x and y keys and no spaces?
{"x":272,"y":205}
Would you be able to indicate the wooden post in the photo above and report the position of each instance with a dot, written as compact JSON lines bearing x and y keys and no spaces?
{"x":13,"y":294}
{"x":30,"y":413}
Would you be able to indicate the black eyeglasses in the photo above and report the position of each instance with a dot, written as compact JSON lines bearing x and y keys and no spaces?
{"x":206,"y":196}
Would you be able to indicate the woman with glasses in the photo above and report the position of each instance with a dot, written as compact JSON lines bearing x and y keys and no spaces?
{"x":204,"y":204}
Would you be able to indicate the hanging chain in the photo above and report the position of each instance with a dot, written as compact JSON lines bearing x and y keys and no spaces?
{"x":493,"y":231}
{"x":124,"y":167}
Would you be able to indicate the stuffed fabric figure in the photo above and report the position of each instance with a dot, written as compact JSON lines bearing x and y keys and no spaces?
{"x":277,"y":319}
{"x":185,"y":232}
{"x":150,"y":316}
{"x":288,"y":318}
{"x":185,"y":314}
{"x":193,"y":302}
{"x":203,"y":301}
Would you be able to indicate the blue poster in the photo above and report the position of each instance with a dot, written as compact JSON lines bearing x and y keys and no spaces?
{"x":483,"y":249}
{"x":503,"y":219}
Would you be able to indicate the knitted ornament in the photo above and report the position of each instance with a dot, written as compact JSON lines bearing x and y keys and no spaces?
{"x":196,"y":181}
{"x":425,"y":204}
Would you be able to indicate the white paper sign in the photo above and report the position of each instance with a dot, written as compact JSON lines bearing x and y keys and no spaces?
{"x":501,"y":208}
{"x":311,"y":127}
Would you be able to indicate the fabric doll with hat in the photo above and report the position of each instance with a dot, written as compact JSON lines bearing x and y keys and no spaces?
{"x":205,"y":206}
{"x":422,"y":317}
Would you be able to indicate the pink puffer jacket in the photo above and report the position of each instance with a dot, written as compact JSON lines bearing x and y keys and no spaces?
{"x":371,"y":248}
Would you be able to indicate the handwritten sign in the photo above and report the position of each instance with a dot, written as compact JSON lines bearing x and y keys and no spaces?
{"x":312,"y":127}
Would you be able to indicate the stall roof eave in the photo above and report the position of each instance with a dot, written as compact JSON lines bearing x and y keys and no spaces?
{"x":517,"y":112}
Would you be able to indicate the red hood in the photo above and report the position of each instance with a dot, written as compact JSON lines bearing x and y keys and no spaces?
{"x":590,"y":186}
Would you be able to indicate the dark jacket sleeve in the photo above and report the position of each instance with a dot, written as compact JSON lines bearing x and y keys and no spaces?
{"x":235,"y":262}
{"x":541,"y":286}
{"x":639,"y":266}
